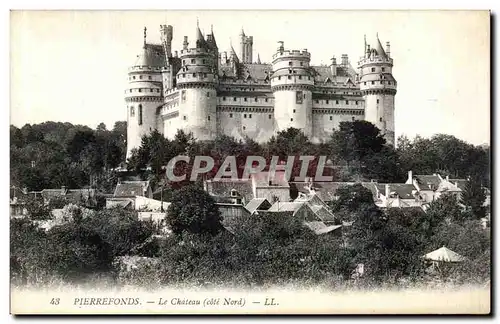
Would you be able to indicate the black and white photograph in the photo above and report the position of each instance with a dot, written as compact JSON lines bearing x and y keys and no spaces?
{"x":331,"y":162}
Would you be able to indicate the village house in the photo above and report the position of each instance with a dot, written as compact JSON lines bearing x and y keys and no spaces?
{"x":431,"y":187}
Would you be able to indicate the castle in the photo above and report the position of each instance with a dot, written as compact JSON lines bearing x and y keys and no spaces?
{"x":207,"y":92}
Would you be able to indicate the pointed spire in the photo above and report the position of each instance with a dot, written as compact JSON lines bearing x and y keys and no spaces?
{"x":380,"y":48}
{"x":258,"y":58}
{"x":242,"y":32}
{"x":200,"y":40}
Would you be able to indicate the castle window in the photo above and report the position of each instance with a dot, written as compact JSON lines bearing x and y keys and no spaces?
{"x":139,"y":120}
{"x":380,"y":119}
{"x":208,"y":94}
{"x":299,"y":97}
{"x":140,"y":90}
{"x":183,"y":75}
{"x":192,"y":61}
{"x":183,"y":95}
{"x":231,"y":115}
{"x":365,"y":82}
{"x":336,"y":102}
{"x":244,"y":115}
{"x":132,"y":111}
{"x":308,"y":78}
{"x":244,"y":128}
{"x":294,"y":111}
{"x":224,"y":98}
{"x":300,"y":77}
{"x":327,"y":102}
{"x":250,"y":116}
{"x":234,"y":99}
{"x":256,"y":99}
{"x":301,"y":63}
{"x":373,"y":82}
{"x":289,"y":63}
{"x":356,"y":102}
{"x":353,"y":118}
{"x":389,"y":82}
{"x":203,"y":61}
{"x":194,"y":75}
{"x":291,"y":119}
{"x":270,"y":116}
{"x":133,"y":77}
{"x":245,"y":99}
{"x":150,"y":90}
{"x":266,"y":99}
{"x":183,"y":62}
{"x":279,"y":78}
{"x":140,"y":77}
{"x":289,"y":77}
{"x":378,"y":100}
{"x":184,"y":117}
{"x":347,"y":102}
{"x":383,"y":69}
{"x":208,"y":117}
{"x":331,"y":117}
{"x":150,"y":78}
{"x":373,"y":69}
{"x":381,"y":82}
{"x":317,"y":101}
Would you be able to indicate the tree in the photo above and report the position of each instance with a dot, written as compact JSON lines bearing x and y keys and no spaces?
{"x":192,"y":209}
{"x":473,"y":197}
{"x":351,"y":198}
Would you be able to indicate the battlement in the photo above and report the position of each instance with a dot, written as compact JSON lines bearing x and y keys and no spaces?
{"x":292,"y":54}
{"x":193,"y":51}
{"x":374,"y":60}
{"x":144,"y":68}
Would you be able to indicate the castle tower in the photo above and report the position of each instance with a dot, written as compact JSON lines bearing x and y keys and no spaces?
{"x":197,"y":81}
{"x":143,"y":95}
{"x":378,"y":88}
{"x":292,"y":86}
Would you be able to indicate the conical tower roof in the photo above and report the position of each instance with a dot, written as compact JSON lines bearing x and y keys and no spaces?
{"x":380,"y":49}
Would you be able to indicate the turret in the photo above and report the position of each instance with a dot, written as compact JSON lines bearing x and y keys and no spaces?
{"x":246,"y":47}
{"x":196,"y":81}
{"x":143,"y":95}
{"x":333,"y":66}
{"x":378,"y":87}
{"x":292,"y":85}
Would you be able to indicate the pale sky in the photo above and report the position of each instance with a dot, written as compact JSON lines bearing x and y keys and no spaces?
{"x":71,"y":66}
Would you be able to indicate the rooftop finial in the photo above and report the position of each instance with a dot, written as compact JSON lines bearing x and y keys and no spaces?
{"x":212,"y":29}
{"x":145,"y":34}
{"x":197,"y":22}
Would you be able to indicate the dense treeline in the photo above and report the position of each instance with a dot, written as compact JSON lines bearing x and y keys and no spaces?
{"x":51,"y":155}
{"x":253,"y":251}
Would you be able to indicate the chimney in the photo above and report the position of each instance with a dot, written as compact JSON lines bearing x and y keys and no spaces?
{"x":387,"y":192}
{"x":345,"y":60}
{"x":410,"y":177}
{"x":388,"y":49}
{"x":185,"y":44}
{"x":333,"y":66}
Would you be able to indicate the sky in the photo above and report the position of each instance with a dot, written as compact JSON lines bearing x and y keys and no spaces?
{"x":71,"y":66}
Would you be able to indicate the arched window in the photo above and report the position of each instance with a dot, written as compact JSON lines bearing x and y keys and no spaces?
{"x":140,"y":115}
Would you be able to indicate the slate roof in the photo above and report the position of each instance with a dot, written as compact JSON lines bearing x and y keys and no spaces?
{"x":326,"y":191}
{"x":321,"y":228}
{"x":257,"y":71}
{"x":223,"y":188}
{"x":285,"y":206}
{"x":73,"y":195}
{"x":257,"y":204}
{"x":131,"y":188}
{"x":427,"y":182}
{"x":460,"y":183}
{"x":151,"y":55}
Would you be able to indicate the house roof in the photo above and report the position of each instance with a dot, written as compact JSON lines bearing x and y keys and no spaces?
{"x":326,"y":191}
{"x":70,"y":194}
{"x":223,"y":188}
{"x":286,"y":206}
{"x":131,"y":188}
{"x":427,"y":181}
{"x":321,"y":228}
{"x":445,"y":255}
{"x":257,"y":203}
{"x":460,"y":183}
